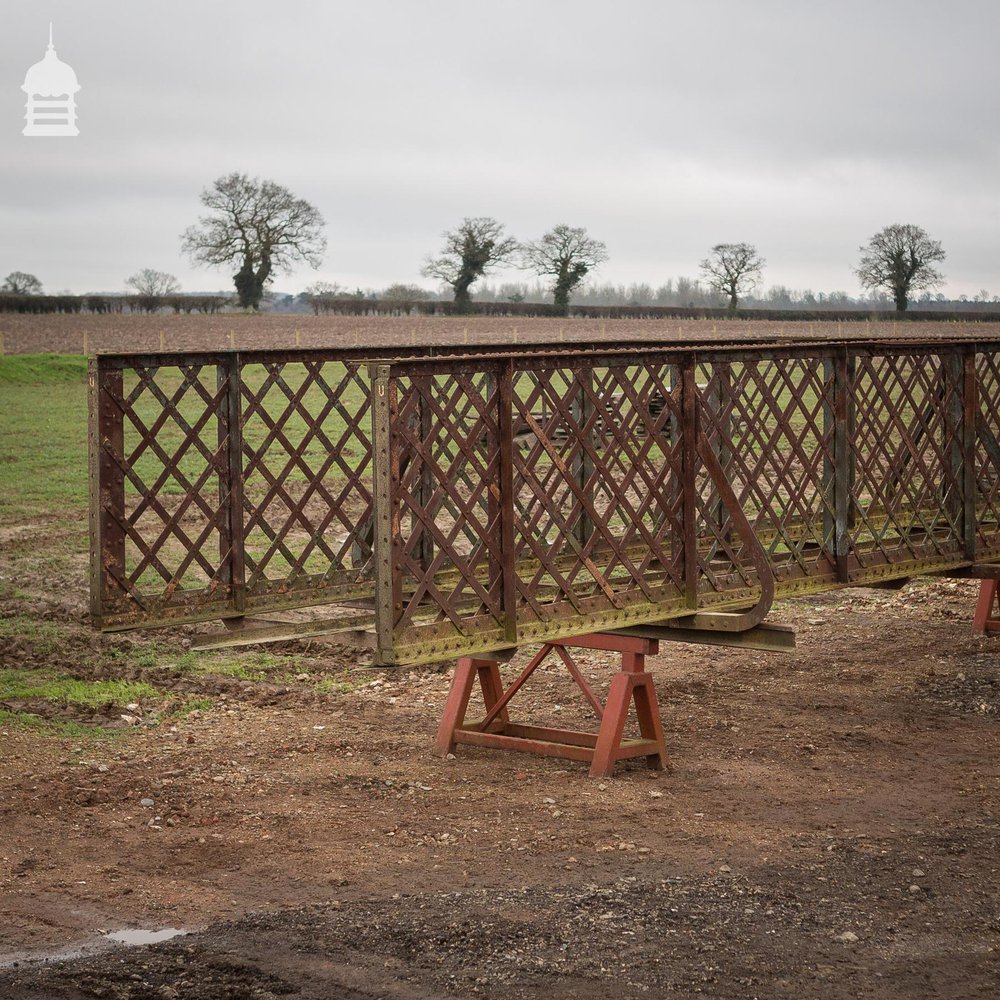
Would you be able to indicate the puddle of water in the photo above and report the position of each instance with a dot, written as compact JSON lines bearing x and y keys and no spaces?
{"x":127,"y":937}
{"x":134,"y":936}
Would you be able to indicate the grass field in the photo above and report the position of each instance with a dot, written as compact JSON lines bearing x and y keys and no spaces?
{"x":43,"y":436}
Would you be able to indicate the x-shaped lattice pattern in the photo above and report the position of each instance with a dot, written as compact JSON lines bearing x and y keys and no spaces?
{"x":988,"y":452}
{"x":904,"y":444}
{"x":173,"y":472}
{"x":218,"y":476}
{"x":307,"y":505}
{"x":770,"y":424}
{"x":447,"y":452}
{"x":596,"y":497}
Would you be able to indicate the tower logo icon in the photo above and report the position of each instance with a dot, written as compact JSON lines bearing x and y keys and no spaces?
{"x":51,"y":87}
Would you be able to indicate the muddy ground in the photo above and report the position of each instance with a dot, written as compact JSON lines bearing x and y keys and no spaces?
{"x":828,"y":827}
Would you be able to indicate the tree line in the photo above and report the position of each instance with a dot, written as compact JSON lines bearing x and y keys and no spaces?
{"x":262,"y":229}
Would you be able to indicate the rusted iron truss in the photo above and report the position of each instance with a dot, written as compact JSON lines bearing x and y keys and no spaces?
{"x":468,"y":503}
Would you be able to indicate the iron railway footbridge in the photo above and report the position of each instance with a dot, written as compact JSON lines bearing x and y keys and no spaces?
{"x":462,"y":502}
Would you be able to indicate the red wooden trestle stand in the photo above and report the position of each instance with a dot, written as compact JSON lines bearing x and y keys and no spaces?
{"x":603,"y":748}
{"x":987,"y":616}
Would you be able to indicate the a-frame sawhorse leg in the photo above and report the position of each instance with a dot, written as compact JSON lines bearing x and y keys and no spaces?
{"x":603,"y":749}
{"x":987,"y":616}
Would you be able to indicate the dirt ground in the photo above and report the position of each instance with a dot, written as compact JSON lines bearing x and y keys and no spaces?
{"x":828,"y":828}
{"x":83,"y":334}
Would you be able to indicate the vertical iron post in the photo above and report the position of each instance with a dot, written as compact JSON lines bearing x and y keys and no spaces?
{"x":828,"y":482}
{"x":689,"y":463}
{"x":388,"y":584}
{"x":843,"y":465}
{"x":505,"y":424}
{"x":582,"y":466}
{"x":722,"y":402}
{"x":970,"y":410}
{"x":425,"y":487}
{"x":229,"y":420}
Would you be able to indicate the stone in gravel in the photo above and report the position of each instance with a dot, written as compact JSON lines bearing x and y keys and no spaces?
{"x":848,"y":937}
{"x":917,"y":873}
{"x":725,"y":869}
{"x":914,"y":889}
{"x":148,"y":803}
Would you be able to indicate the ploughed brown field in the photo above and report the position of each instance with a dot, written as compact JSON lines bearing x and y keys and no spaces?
{"x":829,"y":826}
{"x":67,"y":334}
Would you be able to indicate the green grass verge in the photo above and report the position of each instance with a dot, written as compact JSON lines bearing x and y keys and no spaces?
{"x":43,"y":436}
{"x":16,"y":684}
{"x":42,"y":369}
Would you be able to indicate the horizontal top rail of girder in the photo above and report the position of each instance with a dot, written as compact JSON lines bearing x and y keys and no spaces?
{"x":540,"y":350}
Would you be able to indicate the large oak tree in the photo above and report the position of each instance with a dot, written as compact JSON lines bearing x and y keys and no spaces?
{"x":258,"y":226}
{"x":900,"y":259}
{"x":733,"y":269}
{"x":566,"y":254}
{"x":470,"y":250}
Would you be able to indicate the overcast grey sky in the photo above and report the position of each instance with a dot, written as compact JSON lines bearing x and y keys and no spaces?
{"x":662,"y":127}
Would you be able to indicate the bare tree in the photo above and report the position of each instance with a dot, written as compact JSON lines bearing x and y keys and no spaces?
{"x":259,"y":226}
{"x":320,"y":294}
{"x":153,"y":283}
{"x":470,"y":250}
{"x":405,"y":293}
{"x":20,"y":283}
{"x":733,"y":269}
{"x":325,"y":288}
{"x":150,"y":287}
{"x":900,"y":259}
{"x":568,"y":255}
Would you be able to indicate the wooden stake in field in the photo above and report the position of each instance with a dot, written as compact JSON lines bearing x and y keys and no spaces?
{"x":1,"y":344}
{"x":163,"y":341}
{"x":232,"y":339}
{"x":298,"y":339}
{"x":86,"y":344}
